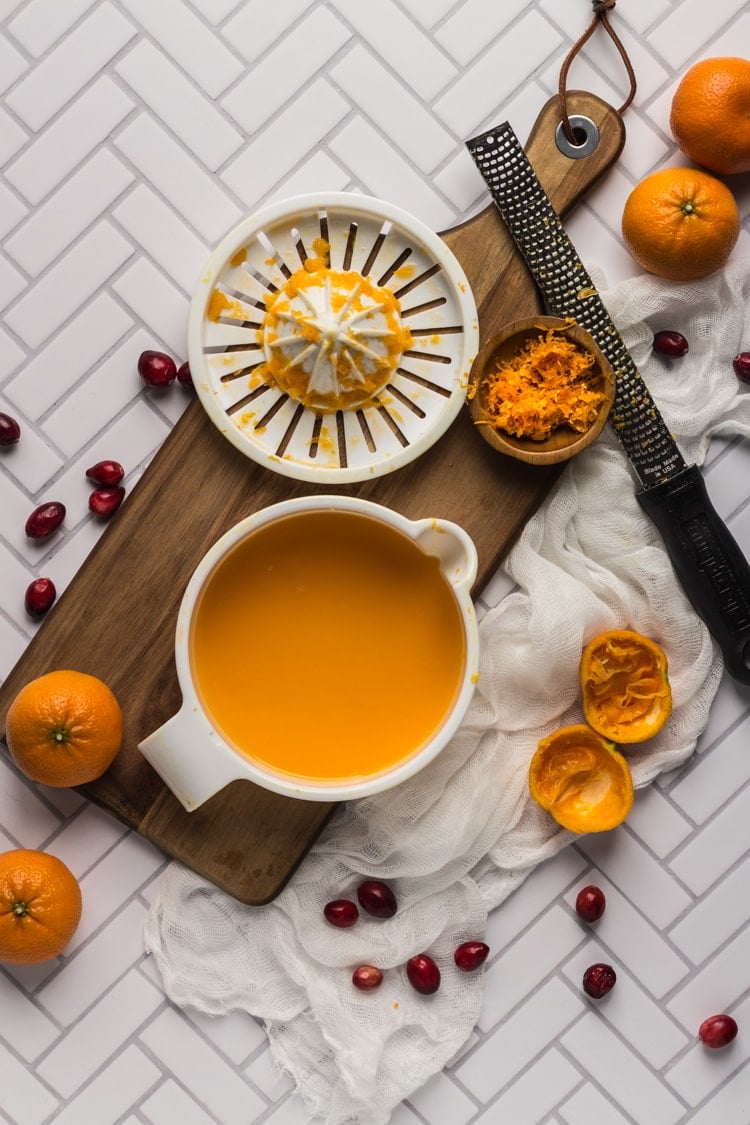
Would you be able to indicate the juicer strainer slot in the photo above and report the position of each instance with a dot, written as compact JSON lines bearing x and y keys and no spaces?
{"x":399,"y":293}
{"x":392,"y":425}
{"x":395,"y":266}
{"x":302,"y":353}
{"x":241,"y":372}
{"x":423,"y":308}
{"x":405,"y":400}
{"x":422,"y":382}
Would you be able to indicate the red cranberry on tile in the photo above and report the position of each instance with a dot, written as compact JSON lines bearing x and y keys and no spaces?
{"x":39,"y":597}
{"x":598,"y":980}
{"x":45,"y":519}
{"x":717,"y":1031}
{"x":10,"y":431}
{"x":156,"y":369}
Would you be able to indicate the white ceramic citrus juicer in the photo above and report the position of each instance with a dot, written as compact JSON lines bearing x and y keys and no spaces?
{"x":331,"y":337}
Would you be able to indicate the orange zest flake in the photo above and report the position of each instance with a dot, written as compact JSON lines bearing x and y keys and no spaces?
{"x":238,"y":257}
{"x":544,"y":386}
{"x":219,"y":304}
{"x":325,"y":442}
{"x":321,"y":256}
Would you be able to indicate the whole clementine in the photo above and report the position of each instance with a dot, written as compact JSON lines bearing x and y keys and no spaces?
{"x":64,"y":728}
{"x":710,"y":115}
{"x":681,"y":223}
{"x":40,"y":906}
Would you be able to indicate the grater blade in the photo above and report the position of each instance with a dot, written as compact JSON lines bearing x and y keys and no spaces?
{"x":569,"y":292}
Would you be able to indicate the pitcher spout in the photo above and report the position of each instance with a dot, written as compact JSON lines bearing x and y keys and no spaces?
{"x":454,"y":548}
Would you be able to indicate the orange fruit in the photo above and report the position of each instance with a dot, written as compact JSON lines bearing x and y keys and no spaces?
{"x":581,"y":779}
{"x":64,"y":728}
{"x":681,"y":223}
{"x":710,"y":115}
{"x":40,"y":906}
{"x":625,"y":686}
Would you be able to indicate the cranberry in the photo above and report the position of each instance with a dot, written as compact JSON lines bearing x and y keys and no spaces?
{"x":10,"y":431}
{"x":598,"y":980}
{"x":156,"y":369}
{"x":717,"y":1031}
{"x":40,"y":595}
{"x":741,"y":365}
{"x":45,"y":519}
{"x":423,"y":974}
{"x":590,"y":903}
{"x":341,"y":912}
{"x":106,"y":473}
{"x":366,"y":978}
{"x":470,"y":955}
{"x":672,"y":344}
{"x":185,"y":376}
{"x":104,"y":501}
{"x":377,"y":898}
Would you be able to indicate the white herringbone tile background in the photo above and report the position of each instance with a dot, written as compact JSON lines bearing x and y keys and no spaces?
{"x":133,"y":135}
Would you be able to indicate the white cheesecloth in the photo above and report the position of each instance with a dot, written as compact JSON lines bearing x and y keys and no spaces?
{"x":455,"y":840}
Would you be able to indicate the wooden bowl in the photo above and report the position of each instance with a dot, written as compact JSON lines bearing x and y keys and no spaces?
{"x":564,"y":442}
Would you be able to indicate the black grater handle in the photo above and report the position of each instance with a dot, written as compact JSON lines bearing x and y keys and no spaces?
{"x":707,"y":560}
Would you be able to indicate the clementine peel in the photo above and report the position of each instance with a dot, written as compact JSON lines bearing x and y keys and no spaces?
{"x":581,"y":779}
{"x":625,"y":687}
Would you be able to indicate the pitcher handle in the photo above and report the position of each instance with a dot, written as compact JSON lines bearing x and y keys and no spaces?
{"x":190,"y":758}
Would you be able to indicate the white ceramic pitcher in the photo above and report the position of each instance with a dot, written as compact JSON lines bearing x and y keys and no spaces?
{"x":193,"y":758}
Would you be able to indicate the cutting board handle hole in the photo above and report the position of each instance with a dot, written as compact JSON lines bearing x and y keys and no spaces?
{"x":585,"y":133}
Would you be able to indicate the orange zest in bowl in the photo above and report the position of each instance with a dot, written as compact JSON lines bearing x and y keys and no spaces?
{"x":625,"y":686}
{"x":547,"y":384}
{"x":581,"y":780}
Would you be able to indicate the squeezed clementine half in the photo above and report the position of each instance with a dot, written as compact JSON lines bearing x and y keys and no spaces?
{"x":624,"y":686}
{"x":581,"y":779}
{"x":40,"y":906}
{"x":710,"y":114}
{"x":64,"y":728}
{"x":681,"y":223}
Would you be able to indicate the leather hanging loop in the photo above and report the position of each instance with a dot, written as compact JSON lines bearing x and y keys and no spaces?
{"x":601,"y":7}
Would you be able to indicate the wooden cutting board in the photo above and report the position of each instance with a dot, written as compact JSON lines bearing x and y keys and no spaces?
{"x":117,"y":618}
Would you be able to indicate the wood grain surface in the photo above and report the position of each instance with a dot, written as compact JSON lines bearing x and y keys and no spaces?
{"x":116,"y":619}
